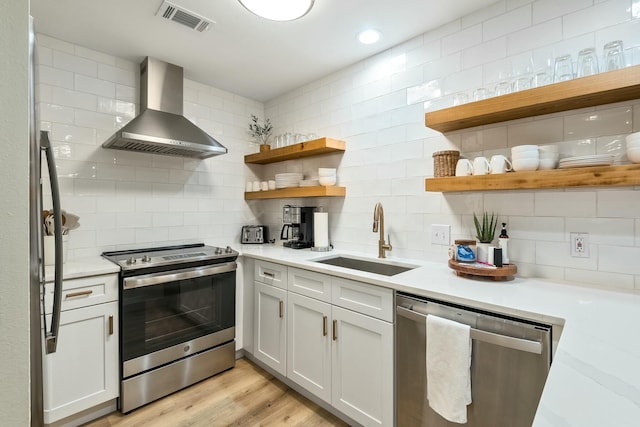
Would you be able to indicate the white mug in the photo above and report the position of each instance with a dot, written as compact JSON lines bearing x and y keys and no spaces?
{"x":481,"y":166}
{"x":500,"y":164}
{"x":256,"y":185}
{"x":464,"y":167}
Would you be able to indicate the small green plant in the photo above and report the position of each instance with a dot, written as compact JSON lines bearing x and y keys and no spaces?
{"x":259,"y":132}
{"x":486,"y":229}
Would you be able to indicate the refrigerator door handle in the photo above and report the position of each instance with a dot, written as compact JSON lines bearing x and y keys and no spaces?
{"x":51,"y":336}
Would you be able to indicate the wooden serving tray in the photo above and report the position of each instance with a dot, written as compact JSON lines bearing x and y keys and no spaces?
{"x":498,"y":274}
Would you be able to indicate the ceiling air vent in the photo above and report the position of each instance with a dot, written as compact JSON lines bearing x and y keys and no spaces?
{"x":179,"y":14}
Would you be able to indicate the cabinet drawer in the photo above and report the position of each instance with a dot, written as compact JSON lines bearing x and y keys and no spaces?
{"x":83,"y":292}
{"x":364,"y":298}
{"x":271,"y":273}
{"x":309,"y":283}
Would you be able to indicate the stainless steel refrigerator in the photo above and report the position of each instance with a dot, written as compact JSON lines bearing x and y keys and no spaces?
{"x":43,"y":335}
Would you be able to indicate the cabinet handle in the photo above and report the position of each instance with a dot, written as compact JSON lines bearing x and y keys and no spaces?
{"x":281,"y":309}
{"x":268,"y":274}
{"x":324,"y":326}
{"x":335,"y":330}
{"x":78,"y":294}
{"x":111,"y":325}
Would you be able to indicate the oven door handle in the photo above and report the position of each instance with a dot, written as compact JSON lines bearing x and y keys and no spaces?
{"x":187,"y":273}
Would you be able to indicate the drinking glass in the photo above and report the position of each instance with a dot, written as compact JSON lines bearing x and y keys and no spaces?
{"x":522,"y":83}
{"x":480,"y":93}
{"x":563,"y":69}
{"x":614,"y":55}
{"x":460,"y":98}
{"x":587,"y":62}
{"x":503,"y":88}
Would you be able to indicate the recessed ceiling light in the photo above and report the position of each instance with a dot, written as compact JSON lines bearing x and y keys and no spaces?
{"x":278,"y":10}
{"x":369,"y":36}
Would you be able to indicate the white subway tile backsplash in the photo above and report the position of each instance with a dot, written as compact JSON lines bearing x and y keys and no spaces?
{"x":512,"y":203}
{"x":56,"y":113}
{"x":126,"y":93}
{"x":507,"y":23}
{"x":94,"y":55}
{"x":567,"y":204}
{"x":70,"y":133}
{"x":75,"y":64}
{"x":462,"y":40}
{"x":599,"y":16}
{"x":537,"y":228}
{"x":619,"y":259}
{"x":536,"y":36}
{"x":71,"y":98}
{"x":488,"y":51}
{"x":126,"y":110}
{"x":90,"y":119}
{"x":117,"y":75}
{"x":598,"y":123}
{"x":155,"y":175}
{"x":603,"y":231}
{"x":55,"y":77}
{"x":544,"y":10}
{"x":95,"y":86}
{"x":610,"y":280}
{"x":558,"y":254}
{"x":536,"y":132}
{"x":618,"y":204}
{"x":53,"y":43}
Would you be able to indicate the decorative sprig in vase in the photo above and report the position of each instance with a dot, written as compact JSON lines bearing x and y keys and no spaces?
{"x":485,"y":231}
{"x":260,"y":133}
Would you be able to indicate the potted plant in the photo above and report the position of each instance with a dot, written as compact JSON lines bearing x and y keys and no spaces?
{"x":485,"y":231}
{"x":261,"y":133}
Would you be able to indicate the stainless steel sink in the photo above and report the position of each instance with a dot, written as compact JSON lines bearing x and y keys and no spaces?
{"x":378,"y":267}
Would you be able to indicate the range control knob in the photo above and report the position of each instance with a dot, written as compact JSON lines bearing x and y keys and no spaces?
{"x":228,"y":250}
{"x":218,"y":251}
{"x":131,"y":260}
{"x":146,"y":258}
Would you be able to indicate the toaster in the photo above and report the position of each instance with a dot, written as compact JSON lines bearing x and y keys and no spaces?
{"x":254,"y":234}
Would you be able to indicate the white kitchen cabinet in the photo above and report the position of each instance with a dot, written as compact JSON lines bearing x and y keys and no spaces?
{"x":270,"y":327}
{"x":83,"y":372}
{"x":362,"y":367}
{"x":309,"y":344}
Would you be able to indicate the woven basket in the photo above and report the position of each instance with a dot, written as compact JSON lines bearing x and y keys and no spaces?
{"x":444,"y":163}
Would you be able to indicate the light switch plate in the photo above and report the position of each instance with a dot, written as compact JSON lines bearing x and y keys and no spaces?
{"x":440,"y":234}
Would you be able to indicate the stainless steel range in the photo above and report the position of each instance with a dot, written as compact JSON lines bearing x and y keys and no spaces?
{"x":177,"y":318}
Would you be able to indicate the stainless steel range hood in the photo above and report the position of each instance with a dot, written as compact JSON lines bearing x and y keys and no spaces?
{"x":161,"y":128}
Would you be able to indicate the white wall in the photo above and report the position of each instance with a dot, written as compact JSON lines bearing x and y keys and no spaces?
{"x":127,"y":199}
{"x":378,"y":106}
{"x":14,"y":215}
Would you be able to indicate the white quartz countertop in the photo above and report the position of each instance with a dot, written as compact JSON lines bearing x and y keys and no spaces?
{"x":82,"y":267}
{"x":595,"y":374}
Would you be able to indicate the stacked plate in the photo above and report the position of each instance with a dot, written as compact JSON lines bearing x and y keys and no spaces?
{"x":633,"y":147}
{"x":286,"y":180}
{"x":308,"y":183}
{"x":585,"y":161}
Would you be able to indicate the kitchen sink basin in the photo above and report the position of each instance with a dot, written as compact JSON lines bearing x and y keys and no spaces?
{"x":388,"y":268}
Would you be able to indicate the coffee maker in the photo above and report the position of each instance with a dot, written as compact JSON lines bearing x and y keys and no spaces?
{"x":298,"y":226}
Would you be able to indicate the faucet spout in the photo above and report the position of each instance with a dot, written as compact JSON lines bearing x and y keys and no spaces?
{"x":378,"y":224}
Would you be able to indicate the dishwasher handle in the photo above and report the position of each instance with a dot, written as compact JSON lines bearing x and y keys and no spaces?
{"x":484,"y":336}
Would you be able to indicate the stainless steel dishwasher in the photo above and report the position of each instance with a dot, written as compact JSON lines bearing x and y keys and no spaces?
{"x":510,"y":361}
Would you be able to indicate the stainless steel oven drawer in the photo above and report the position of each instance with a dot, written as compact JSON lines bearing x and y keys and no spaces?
{"x":145,"y":388}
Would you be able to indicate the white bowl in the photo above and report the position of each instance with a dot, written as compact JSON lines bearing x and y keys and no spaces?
{"x":634,"y":136}
{"x":547,"y":164}
{"x":326,"y":181}
{"x":326,"y":171}
{"x":553,"y":156}
{"x":548,"y":149}
{"x":525,"y":164}
{"x":633,"y":154}
{"x":521,"y":148}
{"x":633,"y":143}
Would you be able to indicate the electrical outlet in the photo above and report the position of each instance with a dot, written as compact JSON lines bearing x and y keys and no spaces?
{"x":579,"y":245}
{"x":440,"y":234}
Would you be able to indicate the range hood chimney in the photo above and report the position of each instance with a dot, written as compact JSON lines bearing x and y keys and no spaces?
{"x":161,"y":128}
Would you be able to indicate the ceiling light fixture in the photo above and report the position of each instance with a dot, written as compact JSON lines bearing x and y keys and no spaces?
{"x":278,"y":10}
{"x":369,"y":36}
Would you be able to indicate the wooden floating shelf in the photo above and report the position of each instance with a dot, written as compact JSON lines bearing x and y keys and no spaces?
{"x":594,"y":176}
{"x":314,"y":147}
{"x":599,"y":89}
{"x":319,"y":191}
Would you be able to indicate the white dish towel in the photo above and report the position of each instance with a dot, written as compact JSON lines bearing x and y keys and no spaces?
{"x":448,"y":368}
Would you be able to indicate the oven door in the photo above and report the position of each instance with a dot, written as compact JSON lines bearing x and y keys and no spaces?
{"x":169,"y":315}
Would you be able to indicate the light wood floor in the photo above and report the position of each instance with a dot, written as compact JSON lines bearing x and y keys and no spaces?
{"x":243,"y":396}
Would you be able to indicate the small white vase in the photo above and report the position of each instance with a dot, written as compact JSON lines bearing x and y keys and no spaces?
{"x":482,"y":251}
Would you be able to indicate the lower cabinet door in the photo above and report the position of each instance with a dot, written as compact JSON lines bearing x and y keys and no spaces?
{"x":309,"y":344}
{"x":270,"y":327}
{"x":362,"y":367}
{"x":83,"y":372}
